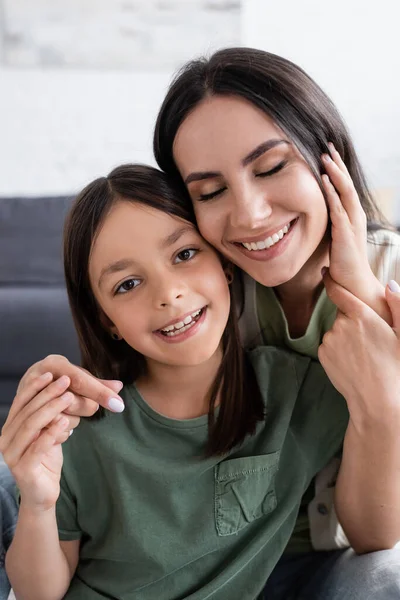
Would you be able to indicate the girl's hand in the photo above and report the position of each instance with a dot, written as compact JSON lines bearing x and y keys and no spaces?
{"x":31,"y":441}
{"x":361,"y":356}
{"x":349,"y":265}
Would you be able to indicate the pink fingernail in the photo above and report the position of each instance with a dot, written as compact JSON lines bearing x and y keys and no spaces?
{"x":116,"y":405}
{"x":327,"y":158}
{"x":394,"y":286}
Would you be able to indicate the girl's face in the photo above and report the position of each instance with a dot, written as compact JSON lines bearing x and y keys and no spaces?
{"x":255,"y":197}
{"x":161,"y":286}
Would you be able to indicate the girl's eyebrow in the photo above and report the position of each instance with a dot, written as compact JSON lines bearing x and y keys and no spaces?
{"x":249,"y":158}
{"x":126,"y":263}
{"x":116,"y":267}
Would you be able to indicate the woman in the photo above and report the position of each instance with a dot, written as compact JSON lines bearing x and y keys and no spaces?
{"x":250,"y":135}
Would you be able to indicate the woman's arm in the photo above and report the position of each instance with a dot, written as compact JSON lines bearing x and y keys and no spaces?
{"x":361,"y":355}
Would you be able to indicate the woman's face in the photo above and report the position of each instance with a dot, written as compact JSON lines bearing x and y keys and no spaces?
{"x":161,"y":286}
{"x":255,"y":197}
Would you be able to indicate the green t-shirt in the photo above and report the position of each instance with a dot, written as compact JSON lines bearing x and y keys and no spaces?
{"x":156,"y":520}
{"x":275,"y":331}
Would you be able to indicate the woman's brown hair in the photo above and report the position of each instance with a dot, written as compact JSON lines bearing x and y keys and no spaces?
{"x":280,"y":89}
{"x":241,"y":406}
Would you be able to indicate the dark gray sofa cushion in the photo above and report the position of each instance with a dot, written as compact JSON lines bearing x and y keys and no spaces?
{"x":35,"y":319}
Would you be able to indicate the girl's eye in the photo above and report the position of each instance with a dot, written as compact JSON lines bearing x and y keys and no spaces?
{"x":127,"y":286}
{"x":204,"y":197}
{"x":186,"y":254}
{"x":273,"y":171}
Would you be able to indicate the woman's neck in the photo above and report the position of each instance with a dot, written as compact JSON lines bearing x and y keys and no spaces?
{"x":179,"y":392}
{"x":299,"y":296}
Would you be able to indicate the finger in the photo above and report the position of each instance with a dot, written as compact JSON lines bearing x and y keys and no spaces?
{"x":345,"y":301}
{"x":345,"y":188}
{"x":338,"y":159}
{"x":82,"y":382}
{"x":392,"y":293}
{"x":31,"y":428}
{"x":36,"y":452}
{"x":51,"y":391}
{"x":73,"y":422}
{"x":82,"y":407}
{"x":31,"y":390}
{"x":337,"y":211}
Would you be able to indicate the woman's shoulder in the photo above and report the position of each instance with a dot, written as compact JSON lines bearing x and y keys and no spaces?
{"x":384,"y":254}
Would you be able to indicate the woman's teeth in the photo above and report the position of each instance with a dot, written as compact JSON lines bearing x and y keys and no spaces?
{"x":267,"y":243}
{"x":182,"y":326}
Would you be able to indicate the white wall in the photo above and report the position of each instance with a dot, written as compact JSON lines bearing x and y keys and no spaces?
{"x":59,"y":129}
{"x":352,"y":49}
{"x":61,"y":125}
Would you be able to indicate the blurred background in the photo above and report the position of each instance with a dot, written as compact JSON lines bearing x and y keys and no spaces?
{"x":81,"y":80}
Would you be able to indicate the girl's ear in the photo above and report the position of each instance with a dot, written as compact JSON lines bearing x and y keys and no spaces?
{"x":109,"y":326}
{"x":229,"y":272}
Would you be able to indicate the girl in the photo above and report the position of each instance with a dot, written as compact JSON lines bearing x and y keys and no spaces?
{"x":250,"y":136}
{"x":193,"y":490}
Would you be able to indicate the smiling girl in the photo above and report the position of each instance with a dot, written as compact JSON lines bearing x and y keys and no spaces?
{"x":193,"y":490}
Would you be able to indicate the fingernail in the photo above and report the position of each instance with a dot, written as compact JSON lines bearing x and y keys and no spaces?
{"x":324,"y":270}
{"x":45,"y":376}
{"x":116,"y":405}
{"x":64,"y":380}
{"x":118,"y":384}
{"x":331,"y":147}
{"x":66,"y":396}
{"x":394,"y":286}
{"x":63,"y":422}
{"x":326,"y":158}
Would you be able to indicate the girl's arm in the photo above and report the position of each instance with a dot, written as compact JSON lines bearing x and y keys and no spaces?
{"x":361,"y":355}
{"x":31,"y":445}
{"x":349,"y":265}
{"x":39,"y":566}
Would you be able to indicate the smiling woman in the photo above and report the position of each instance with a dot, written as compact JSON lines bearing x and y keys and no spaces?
{"x":277,"y":188}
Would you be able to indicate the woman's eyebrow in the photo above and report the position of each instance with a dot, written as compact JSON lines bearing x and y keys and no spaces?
{"x":262,"y":149}
{"x":251,"y":157}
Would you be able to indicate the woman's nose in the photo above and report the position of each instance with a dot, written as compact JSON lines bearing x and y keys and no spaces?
{"x":250,"y":209}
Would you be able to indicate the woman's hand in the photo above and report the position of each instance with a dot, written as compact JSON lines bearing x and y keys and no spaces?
{"x":31,"y":441}
{"x":349,"y":264}
{"x":361,"y":356}
{"x":88,"y":392}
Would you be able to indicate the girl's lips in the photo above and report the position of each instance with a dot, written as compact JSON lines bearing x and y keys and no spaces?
{"x":273,"y":251}
{"x":181,"y":337}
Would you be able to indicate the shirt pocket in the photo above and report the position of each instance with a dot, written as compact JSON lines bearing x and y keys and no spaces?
{"x":244,"y":491}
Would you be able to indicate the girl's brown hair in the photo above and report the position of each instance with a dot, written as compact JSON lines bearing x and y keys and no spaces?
{"x":241,"y":406}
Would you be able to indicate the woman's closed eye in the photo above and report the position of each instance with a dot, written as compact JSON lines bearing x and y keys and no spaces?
{"x":127,"y":286}
{"x":211,"y":195}
{"x":276,"y":169}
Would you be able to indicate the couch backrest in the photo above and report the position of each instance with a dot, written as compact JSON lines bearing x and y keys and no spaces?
{"x":35,"y":319}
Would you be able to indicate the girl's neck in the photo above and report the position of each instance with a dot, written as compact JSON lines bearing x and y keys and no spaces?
{"x":299,"y":296}
{"x":179,"y":392}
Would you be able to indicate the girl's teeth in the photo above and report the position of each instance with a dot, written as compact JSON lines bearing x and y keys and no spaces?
{"x":181,"y":326}
{"x":270,"y":241}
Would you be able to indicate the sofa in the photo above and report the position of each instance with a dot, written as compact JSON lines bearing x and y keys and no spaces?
{"x":35,"y":319}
